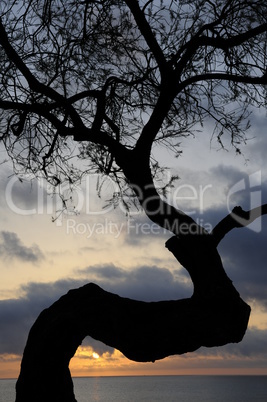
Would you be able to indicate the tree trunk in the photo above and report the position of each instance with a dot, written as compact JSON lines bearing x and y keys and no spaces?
{"x":214,"y":316}
{"x":142,"y":331}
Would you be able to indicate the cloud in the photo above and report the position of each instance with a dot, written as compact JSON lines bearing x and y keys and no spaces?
{"x":243,"y":250}
{"x":141,"y":231}
{"x":144,"y":283}
{"x":18,"y":315}
{"x":20,"y":195}
{"x":244,"y":254}
{"x":253,"y":345}
{"x":147,"y":283}
{"x":12,"y":247}
{"x":257,"y":145}
{"x":16,"y":319}
{"x":99,"y":347}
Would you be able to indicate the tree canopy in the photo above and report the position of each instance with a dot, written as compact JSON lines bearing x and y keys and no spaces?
{"x":96,"y":79}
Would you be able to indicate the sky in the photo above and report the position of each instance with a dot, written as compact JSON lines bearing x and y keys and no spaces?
{"x":40,"y":260}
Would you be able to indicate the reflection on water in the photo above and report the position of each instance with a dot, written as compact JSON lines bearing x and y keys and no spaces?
{"x":161,"y":389}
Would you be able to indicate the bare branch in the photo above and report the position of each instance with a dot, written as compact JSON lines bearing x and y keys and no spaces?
{"x":33,"y":82}
{"x":224,"y":77}
{"x":85,"y":134}
{"x":147,"y":33}
{"x":238,"y":218}
{"x":222,"y":43}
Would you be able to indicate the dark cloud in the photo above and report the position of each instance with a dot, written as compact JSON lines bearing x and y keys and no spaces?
{"x":18,"y":315}
{"x":229,"y":186}
{"x":145,"y":283}
{"x":12,"y":247}
{"x":245,"y":255}
{"x":250,"y":353}
{"x":243,"y":250}
{"x":235,"y":187}
{"x":253,"y":345}
{"x":110,"y":272}
{"x":256,"y":147}
{"x":16,"y":319}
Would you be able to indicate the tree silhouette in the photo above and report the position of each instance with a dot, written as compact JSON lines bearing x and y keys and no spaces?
{"x":100,"y":83}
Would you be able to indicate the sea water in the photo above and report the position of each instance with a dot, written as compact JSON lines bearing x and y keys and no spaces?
{"x":161,"y":389}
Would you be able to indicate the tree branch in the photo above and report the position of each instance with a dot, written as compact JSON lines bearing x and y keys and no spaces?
{"x":147,"y":33}
{"x":226,"y":77}
{"x":34,"y":84}
{"x":152,"y":127}
{"x":93,"y":93}
{"x":221,"y":43}
{"x":140,"y":179}
{"x":238,"y":218}
{"x":199,"y":40}
{"x":85,"y":134}
{"x":40,"y":110}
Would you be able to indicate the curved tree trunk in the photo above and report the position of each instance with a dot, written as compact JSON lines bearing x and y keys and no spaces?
{"x":141,"y":331}
{"x":215,"y":315}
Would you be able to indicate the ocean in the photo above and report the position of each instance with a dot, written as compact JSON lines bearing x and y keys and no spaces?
{"x":161,"y":389}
